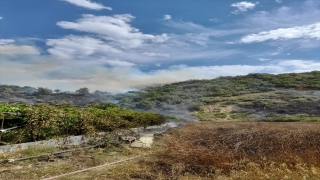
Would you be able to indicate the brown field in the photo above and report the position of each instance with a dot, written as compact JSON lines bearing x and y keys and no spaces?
{"x":205,"y":150}
{"x":227,"y":150}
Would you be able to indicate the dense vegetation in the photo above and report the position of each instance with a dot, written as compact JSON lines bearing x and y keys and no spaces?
{"x":80,"y":98}
{"x":188,"y":94}
{"x":43,"y":121}
{"x":194,"y":93}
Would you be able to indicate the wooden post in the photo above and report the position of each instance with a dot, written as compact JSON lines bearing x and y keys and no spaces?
{"x":265,"y":112}
{"x":2,"y":121}
{"x":2,"y":125}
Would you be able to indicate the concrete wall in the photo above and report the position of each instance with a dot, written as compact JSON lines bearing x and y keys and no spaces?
{"x":68,"y":141}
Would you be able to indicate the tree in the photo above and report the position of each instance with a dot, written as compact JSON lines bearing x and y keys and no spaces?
{"x":83,"y":91}
{"x":44,"y":91}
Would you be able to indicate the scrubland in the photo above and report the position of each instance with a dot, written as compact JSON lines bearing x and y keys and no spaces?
{"x":200,"y":150}
{"x":259,"y":126}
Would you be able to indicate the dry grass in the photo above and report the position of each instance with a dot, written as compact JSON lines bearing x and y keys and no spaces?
{"x":42,"y":168}
{"x":227,"y":150}
{"x":231,"y":148}
{"x":202,"y":150}
{"x":146,"y":169}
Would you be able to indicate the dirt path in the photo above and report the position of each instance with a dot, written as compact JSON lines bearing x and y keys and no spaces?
{"x":95,"y":167}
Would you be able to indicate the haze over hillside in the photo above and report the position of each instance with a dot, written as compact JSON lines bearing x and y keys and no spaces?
{"x":190,"y":95}
{"x":127,"y":45}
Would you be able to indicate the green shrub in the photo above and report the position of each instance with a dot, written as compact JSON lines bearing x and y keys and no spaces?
{"x":239,"y":116}
{"x":220,"y":115}
{"x":44,"y":121}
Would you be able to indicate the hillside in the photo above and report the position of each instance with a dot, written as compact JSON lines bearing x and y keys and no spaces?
{"x":258,"y":95}
{"x":285,"y":96}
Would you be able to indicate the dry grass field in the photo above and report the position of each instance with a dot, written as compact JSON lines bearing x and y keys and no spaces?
{"x":227,"y":150}
{"x":242,"y":150}
{"x":200,"y":150}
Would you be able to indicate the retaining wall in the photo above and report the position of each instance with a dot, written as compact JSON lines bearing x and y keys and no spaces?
{"x":67,"y":141}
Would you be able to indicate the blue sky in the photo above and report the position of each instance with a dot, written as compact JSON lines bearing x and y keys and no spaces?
{"x":122,"y":45}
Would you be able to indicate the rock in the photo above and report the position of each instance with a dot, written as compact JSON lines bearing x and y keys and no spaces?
{"x":129,"y":139}
{"x":136,"y":144}
{"x":147,"y":141}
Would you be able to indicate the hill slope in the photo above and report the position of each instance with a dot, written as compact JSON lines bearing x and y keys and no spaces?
{"x":258,"y":94}
{"x":251,"y":96}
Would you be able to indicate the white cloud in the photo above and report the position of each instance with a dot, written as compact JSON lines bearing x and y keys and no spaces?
{"x":15,"y":50}
{"x":118,"y":63}
{"x":263,"y":59}
{"x":110,"y":52}
{"x":88,"y":4}
{"x":125,"y":78}
{"x":70,"y":75}
{"x":299,"y":65}
{"x":155,"y":54}
{"x":296,"y":44}
{"x":213,"y":20}
{"x":243,"y":6}
{"x":115,"y":29}
{"x":6,"y":41}
{"x":297,"y":14}
{"x":113,"y":37}
{"x":188,"y":27}
{"x":196,"y":29}
{"x":303,"y":13}
{"x":79,"y":47}
{"x":279,"y":1}
{"x":231,"y":42}
{"x":91,"y":49}
{"x":167,"y":17}
{"x":279,"y":51}
{"x":307,"y":31}
{"x":1,"y":17}
{"x":8,"y":48}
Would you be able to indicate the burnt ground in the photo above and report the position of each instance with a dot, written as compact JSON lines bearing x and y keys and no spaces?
{"x":288,"y":102}
{"x":278,"y":103}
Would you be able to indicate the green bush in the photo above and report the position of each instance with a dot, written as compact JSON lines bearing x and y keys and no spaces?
{"x":239,"y":116}
{"x":220,"y":115}
{"x":44,"y":121}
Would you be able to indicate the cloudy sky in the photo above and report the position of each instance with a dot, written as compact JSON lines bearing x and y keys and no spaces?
{"x":122,"y":45}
